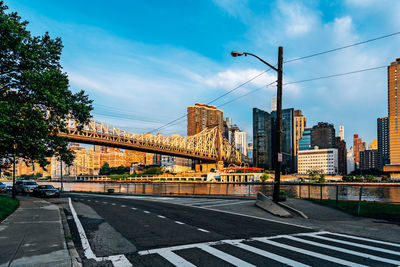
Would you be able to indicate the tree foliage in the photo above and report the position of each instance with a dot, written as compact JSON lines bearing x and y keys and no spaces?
{"x":35,"y":99}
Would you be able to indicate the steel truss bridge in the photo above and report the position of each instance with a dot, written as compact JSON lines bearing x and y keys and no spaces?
{"x":208,"y":146}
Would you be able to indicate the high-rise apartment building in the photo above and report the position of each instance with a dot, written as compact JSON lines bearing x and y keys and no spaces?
{"x":323,"y":135}
{"x":394,"y":129}
{"x":368,"y":159}
{"x":358,"y":146}
{"x":299,"y":125}
{"x":341,"y":132}
{"x":383,"y":142}
{"x":202,"y":116}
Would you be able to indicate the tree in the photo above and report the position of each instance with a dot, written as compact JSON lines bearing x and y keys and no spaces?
{"x":35,"y":100}
{"x":105,"y":169}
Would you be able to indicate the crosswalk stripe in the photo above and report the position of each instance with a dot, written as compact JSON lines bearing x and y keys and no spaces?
{"x":308,"y":252}
{"x":175,"y":259}
{"x":363,"y":239}
{"x":210,"y":202}
{"x":224,"y":256}
{"x":356,"y":253}
{"x":266,"y":254}
{"x":356,"y":244}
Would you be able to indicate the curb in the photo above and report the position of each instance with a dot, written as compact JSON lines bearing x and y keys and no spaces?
{"x":73,"y":253}
{"x":293,"y":210}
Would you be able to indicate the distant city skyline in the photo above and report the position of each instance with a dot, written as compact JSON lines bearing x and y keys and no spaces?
{"x":144,"y":63}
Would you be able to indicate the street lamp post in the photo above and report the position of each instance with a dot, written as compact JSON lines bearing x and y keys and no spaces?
{"x":278,"y":127}
{"x":13,"y":184}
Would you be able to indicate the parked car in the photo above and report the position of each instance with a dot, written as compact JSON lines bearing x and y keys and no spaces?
{"x":2,"y":187}
{"x":8,"y":188}
{"x":25,"y":186}
{"x":46,"y":191}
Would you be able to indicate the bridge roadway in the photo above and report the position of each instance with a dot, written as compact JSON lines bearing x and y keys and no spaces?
{"x":166,"y":231}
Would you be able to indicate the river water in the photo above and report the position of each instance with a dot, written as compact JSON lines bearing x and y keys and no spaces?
{"x":384,"y":193}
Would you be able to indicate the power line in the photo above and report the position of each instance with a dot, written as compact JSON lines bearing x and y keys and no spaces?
{"x":215,"y":99}
{"x":335,"y":75}
{"x":342,"y":47}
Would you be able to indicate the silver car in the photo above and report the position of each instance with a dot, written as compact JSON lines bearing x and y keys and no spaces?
{"x":25,"y":186}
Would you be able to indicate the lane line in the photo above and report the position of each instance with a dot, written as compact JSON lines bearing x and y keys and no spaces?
{"x":309,"y":252}
{"x":266,"y":254}
{"x":117,"y":260}
{"x":356,"y":253}
{"x":134,"y":208}
{"x":145,"y":211}
{"x":224,"y":256}
{"x":175,"y":259}
{"x":123,"y":206}
{"x":178,"y":222}
{"x":357,"y":245}
{"x":160,"y":216}
{"x":105,"y":202}
{"x":220,"y":211}
{"x":203,"y":230}
{"x":234,"y":203}
{"x":113,"y":204}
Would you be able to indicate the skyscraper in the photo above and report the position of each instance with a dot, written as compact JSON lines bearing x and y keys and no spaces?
{"x":341,"y":132}
{"x":241,"y":142}
{"x":299,"y":125}
{"x":323,"y":135}
{"x":383,"y":142}
{"x":288,"y":164}
{"x":342,"y":155}
{"x":373,"y":145}
{"x":202,"y":116}
{"x":262,"y":139}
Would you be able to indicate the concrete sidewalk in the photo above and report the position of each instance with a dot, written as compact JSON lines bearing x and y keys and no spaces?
{"x":33,"y":236}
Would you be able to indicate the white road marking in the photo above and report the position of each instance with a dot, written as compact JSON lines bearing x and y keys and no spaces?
{"x":224,"y":256}
{"x":134,"y":208}
{"x":344,"y":250}
{"x":225,"y":204}
{"x":113,"y":204}
{"x":308,"y":252}
{"x":123,"y":206}
{"x":266,"y":254}
{"x":105,"y":202}
{"x":96,"y":201}
{"x":178,"y":222}
{"x":363,"y":239}
{"x":356,"y":244}
{"x":203,"y":230}
{"x":117,"y":260}
{"x":145,"y":211}
{"x":175,"y":259}
{"x":160,"y":216}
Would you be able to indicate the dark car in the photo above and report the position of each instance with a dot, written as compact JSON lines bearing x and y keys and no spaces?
{"x":46,"y":191}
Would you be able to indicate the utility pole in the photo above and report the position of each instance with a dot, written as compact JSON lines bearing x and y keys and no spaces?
{"x":61,"y":178}
{"x":278,"y":129}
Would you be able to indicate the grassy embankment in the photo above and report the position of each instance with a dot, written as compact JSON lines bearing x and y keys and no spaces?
{"x":7,"y":206}
{"x":375,"y":210}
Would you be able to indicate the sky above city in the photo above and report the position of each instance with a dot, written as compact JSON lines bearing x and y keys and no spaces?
{"x":144,"y":62}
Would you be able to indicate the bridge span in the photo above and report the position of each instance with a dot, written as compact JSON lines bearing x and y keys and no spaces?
{"x":209,"y":145}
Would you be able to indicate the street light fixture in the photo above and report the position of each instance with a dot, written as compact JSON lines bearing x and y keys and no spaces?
{"x":278,"y":132}
{"x":13,"y":193}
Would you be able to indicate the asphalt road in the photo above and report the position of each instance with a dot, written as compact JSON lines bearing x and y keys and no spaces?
{"x":153,"y":231}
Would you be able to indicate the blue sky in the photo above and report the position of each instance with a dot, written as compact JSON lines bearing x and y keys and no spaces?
{"x":143,"y":62}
